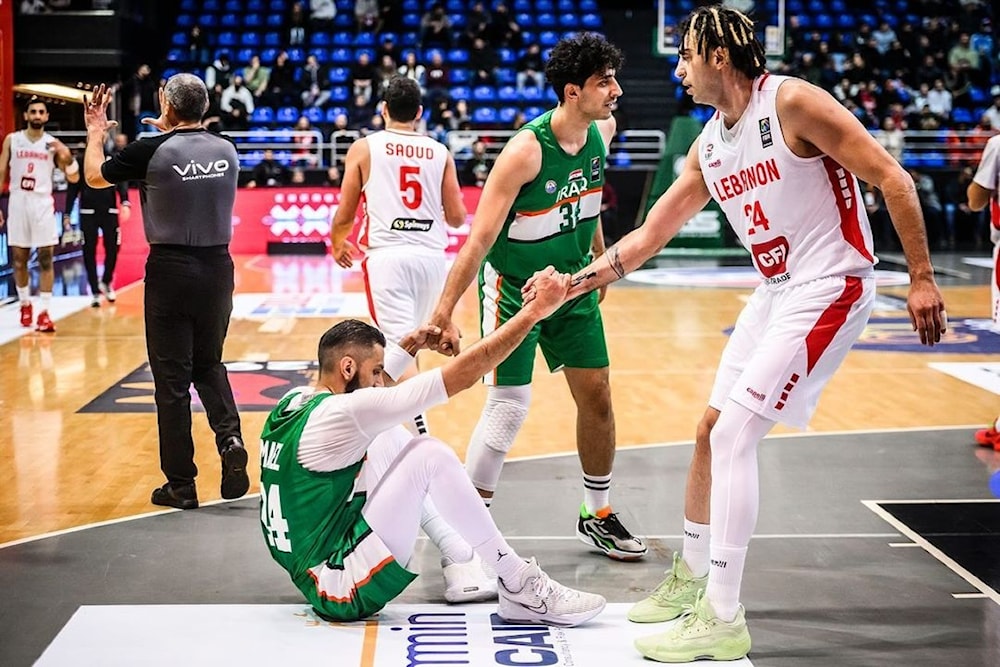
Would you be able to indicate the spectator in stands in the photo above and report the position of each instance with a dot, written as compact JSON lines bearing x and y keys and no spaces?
{"x":359,"y":113}
{"x":333,"y":176}
{"x":435,"y":27}
{"x":212,"y":120}
{"x":364,"y":76}
{"x":296,"y":25}
{"x":504,"y":30}
{"x":959,"y":83}
{"x":237,"y":105}
{"x":374,"y":124}
{"x":268,"y":173}
{"x":391,"y":16}
{"x":930,"y":205}
{"x":298,"y":177}
{"x":939,"y":100}
{"x":477,"y":24}
{"x":388,"y":49}
{"x":530,"y":69}
{"x":437,"y":76}
{"x":386,"y":70}
{"x":256,"y":77}
{"x":809,"y":70}
{"x":462,"y":114}
{"x":140,"y":98}
{"x":442,"y":118}
{"x":484,"y":62}
{"x":928,"y":70}
{"x":891,"y":138}
{"x":884,"y":37}
{"x":314,"y":83}
{"x":220,"y":71}
{"x":963,"y":51}
{"x":282,"y":89}
{"x":341,"y":136}
{"x":411,"y":69}
{"x":897,"y":59}
{"x":519,"y":120}
{"x":198,"y":53}
{"x":305,"y":152}
{"x":477,"y":168}
{"x":368,"y":15}
{"x":321,"y":15}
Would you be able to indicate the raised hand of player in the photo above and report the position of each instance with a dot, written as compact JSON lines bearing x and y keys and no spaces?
{"x":424,"y":337}
{"x":545,"y":291}
{"x":926,"y":307}
{"x":449,"y":340}
{"x":343,"y":254}
{"x":95,"y":110}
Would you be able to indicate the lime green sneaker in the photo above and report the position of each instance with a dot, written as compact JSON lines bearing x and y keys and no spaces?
{"x":699,"y":634}
{"x":674,"y":594}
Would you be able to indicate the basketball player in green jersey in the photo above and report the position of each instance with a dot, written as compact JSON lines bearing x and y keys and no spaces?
{"x":541,"y":205}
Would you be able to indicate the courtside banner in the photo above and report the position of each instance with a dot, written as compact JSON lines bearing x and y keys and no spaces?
{"x":401,"y":635}
{"x":284,"y":215}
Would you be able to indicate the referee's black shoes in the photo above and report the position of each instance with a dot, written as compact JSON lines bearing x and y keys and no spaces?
{"x":235,"y":481}
{"x":181,"y":497}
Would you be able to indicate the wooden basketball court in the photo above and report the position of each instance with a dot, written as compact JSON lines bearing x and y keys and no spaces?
{"x":65,"y":468}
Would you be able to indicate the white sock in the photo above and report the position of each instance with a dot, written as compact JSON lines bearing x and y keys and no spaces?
{"x":596,"y":492}
{"x":445,"y":538}
{"x":46,"y":300}
{"x":24,"y":294}
{"x":502,"y":558}
{"x":488,"y":502}
{"x":696,"y":546}
{"x":725,"y":579}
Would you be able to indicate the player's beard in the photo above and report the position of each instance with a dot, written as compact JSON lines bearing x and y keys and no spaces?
{"x":353,"y":383}
{"x":36,"y":124}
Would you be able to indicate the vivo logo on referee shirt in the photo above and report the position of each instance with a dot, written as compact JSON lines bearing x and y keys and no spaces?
{"x":197,"y":170}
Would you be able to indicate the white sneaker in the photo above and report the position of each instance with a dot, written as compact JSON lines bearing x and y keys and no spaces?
{"x":467,"y":582}
{"x":539,"y":599}
{"x":107,"y":291}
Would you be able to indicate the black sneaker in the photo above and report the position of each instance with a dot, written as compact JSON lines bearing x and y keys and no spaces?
{"x":235,"y":481}
{"x":181,"y":497}
{"x":609,"y":535}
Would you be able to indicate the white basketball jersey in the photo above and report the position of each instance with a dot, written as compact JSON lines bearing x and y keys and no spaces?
{"x":988,"y":177}
{"x":800,"y":218}
{"x":31,"y":163}
{"x":402,"y":198}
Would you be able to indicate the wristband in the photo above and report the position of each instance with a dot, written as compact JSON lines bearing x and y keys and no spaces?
{"x":73,"y":168}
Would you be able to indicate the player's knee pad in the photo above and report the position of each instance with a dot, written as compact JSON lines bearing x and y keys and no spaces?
{"x":504,"y":414}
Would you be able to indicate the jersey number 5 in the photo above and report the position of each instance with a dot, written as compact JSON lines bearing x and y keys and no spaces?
{"x":409,"y":186}
{"x":275,"y":524}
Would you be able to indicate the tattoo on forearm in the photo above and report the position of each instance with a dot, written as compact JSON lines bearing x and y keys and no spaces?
{"x":580,"y":278}
{"x":615,"y":261}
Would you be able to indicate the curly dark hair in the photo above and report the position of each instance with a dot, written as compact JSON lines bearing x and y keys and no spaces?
{"x":713,"y":26}
{"x":576,"y":59}
{"x":402,"y":98}
{"x":342,"y":338}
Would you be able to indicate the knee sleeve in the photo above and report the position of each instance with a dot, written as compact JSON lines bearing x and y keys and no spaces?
{"x":503,"y":415}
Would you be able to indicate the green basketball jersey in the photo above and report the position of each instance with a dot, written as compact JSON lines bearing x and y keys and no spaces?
{"x":312,"y":523}
{"x":554,"y":217}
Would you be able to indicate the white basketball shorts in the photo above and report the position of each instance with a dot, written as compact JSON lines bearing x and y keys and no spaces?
{"x":403,"y":286}
{"x":31,"y":220}
{"x":788,"y":343}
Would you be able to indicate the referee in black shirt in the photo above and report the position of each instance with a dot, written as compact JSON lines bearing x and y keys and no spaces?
{"x":187,"y":179}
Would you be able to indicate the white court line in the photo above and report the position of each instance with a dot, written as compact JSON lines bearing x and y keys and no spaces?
{"x":903,"y":545}
{"x":515,"y":459}
{"x":968,"y":596}
{"x":769,"y":536}
{"x":972,"y":579}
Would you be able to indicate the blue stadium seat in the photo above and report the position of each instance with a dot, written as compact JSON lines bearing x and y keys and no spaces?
{"x":533,"y":94}
{"x":410,"y":39}
{"x":533,"y":112}
{"x":262,"y":115}
{"x":507,"y":114}
{"x":569,"y":20}
{"x":816,"y":6}
{"x":454,"y":6}
{"x":566,"y":6}
{"x":588,"y":5}
{"x":484,"y":93}
{"x":343,"y":20}
{"x":268,"y":55}
{"x":429,"y":53}
{"x":506,"y":76}
{"x":507,"y":94}
{"x":522,"y":6}
{"x":794,"y":7}
{"x":189,"y":6}
{"x":211,"y":6}
{"x":369,"y":51}
{"x":274,"y":20}
{"x":343,"y":39}
{"x":272,"y":39}
{"x":364,"y":39}
{"x":546,"y":20}
{"x":255,"y":6}
{"x":341,"y":55}
{"x":278,"y":6}
{"x":838,"y":6}
{"x":339,"y":74}
{"x":243,"y":55}
{"x":525,"y":19}
{"x":506,"y":56}
{"x":287,"y":115}
{"x":411,"y":20}
{"x":322,"y":55}
{"x":250,"y":39}
{"x":319,"y":38}
{"x":314,"y":114}
{"x":296,"y":55}
{"x":333,"y":112}
{"x":185,"y":21}
{"x":169,"y":72}
{"x":253,"y":21}
{"x":823,"y":21}
{"x":227,"y":39}
{"x":590,"y":21}
{"x":460,"y":92}
{"x":340,"y":94}
{"x":457,"y":20}
{"x":544,"y":6}
{"x":177,"y":55}
{"x":460,"y":75}
{"x":179,"y":39}
{"x":234,"y":6}
{"x":344,"y":6}
{"x":548,"y":38}
{"x":962,"y":115}
{"x":411,"y":6}
{"x":846,"y":21}
{"x":485,"y":115}
{"x":458,"y":56}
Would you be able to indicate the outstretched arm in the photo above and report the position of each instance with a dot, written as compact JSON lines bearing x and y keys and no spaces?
{"x":356,"y":164}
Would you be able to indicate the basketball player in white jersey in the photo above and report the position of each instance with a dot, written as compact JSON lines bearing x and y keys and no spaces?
{"x":32,"y":154}
{"x":782,"y":158}
{"x":985,"y":189}
{"x":408,"y":185}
